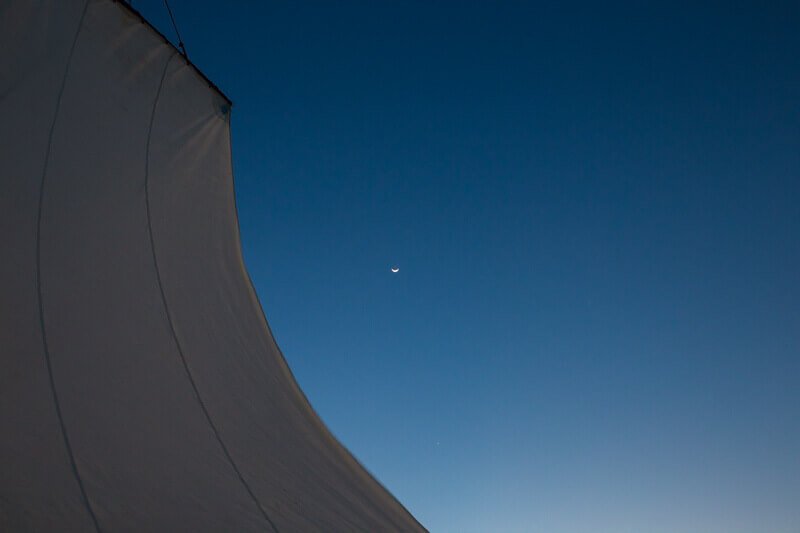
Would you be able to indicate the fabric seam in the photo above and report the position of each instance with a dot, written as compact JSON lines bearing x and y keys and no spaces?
{"x":168,"y":314}
{"x":48,"y":362}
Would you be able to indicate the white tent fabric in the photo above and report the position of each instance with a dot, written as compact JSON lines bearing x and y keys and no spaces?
{"x":140,"y":386}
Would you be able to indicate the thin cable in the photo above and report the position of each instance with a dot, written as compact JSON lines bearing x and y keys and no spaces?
{"x":180,"y":41}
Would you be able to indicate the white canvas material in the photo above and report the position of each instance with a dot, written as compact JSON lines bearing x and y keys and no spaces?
{"x":141,"y":388}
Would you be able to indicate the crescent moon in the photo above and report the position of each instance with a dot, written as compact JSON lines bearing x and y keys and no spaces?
{"x":395,"y":270}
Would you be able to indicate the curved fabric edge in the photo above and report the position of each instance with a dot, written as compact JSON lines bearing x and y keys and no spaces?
{"x":284,"y":363}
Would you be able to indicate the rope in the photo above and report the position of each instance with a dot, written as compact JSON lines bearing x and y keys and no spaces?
{"x":175,"y":26}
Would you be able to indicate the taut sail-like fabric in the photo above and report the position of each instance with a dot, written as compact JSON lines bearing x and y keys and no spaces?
{"x":140,"y":387}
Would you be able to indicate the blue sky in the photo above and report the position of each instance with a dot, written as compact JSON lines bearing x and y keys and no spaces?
{"x":595,"y":209}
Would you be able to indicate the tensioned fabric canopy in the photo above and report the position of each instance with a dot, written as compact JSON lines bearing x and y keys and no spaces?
{"x":140,"y":386}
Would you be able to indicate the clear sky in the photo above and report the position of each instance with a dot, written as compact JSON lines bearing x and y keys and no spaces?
{"x":595,"y":209}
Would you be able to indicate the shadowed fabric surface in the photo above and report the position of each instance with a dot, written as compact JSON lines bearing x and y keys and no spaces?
{"x":141,"y":388}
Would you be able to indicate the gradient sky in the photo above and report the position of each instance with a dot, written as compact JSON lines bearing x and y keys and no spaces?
{"x":596,"y":212}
